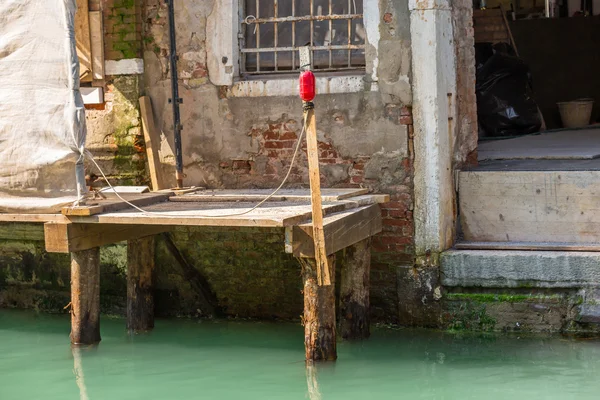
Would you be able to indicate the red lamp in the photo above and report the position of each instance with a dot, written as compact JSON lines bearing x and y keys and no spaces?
{"x":307,"y":86}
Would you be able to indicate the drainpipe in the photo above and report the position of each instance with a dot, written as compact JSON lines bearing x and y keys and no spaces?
{"x":175,"y":100}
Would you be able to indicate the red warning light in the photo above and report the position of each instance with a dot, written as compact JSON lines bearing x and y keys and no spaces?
{"x":307,"y":86}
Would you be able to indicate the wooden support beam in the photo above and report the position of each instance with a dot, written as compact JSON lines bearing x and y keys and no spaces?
{"x":340,"y":230}
{"x":85,"y":296}
{"x":314,"y":175}
{"x":319,"y":312}
{"x":68,"y":238}
{"x":97,"y":45}
{"x":354,"y":291}
{"x":152,"y":139}
{"x":82,"y":40}
{"x":140,"y":284}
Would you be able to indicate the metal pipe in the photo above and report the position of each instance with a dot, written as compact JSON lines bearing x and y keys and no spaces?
{"x":175,"y":100}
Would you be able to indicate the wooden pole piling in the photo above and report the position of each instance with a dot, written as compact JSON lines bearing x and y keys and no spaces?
{"x":323,"y":277}
{"x":354,"y":291}
{"x":140,"y":284}
{"x":85,"y":296}
{"x":319,"y":313}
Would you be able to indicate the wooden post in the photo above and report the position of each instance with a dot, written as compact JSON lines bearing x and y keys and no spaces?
{"x":152,"y":139}
{"x":319,"y":313}
{"x":140,"y":284}
{"x":85,"y":296}
{"x":312,"y":150}
{"x":354,"y":291}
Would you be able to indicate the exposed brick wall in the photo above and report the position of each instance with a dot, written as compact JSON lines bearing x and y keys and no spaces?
{"x":122,"y":28}
{"x":394,"y":246}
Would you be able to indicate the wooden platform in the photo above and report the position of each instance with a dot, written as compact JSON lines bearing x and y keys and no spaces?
{"x":106,"y":221}
{"x":350,"y":218}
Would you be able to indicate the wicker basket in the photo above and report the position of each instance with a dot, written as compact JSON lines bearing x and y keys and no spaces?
{"x":575,"y":114}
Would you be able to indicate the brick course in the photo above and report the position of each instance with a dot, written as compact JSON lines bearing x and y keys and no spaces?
{"x":122,"y":28}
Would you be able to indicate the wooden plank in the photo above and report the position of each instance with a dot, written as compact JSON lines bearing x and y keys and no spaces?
{"x":152,"y":139}
{"x":341,"y":230}
{"x":530,"y":206}
{"x":112,"y":203}
{"x":528,"y":246}
{"x":83,"y":42}
{"x":126,"y":189}
{"x":217,"y":214}
{"x":34,"y":218}
{"x":312,"y":150}
{"x":82,"y":211}
{"x":273,"y":214}
{"x":260,"y":194}
{"x":66,"y":238}
{"x":97,"y":44}
{"x":182,"y":192}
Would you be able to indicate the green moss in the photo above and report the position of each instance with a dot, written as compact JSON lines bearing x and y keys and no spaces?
{"x":128,"y":162}
{"x":497,"y":298}
{"x":471,"y":317}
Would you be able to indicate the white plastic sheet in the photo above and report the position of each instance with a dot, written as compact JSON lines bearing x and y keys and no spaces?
{"x":42,"y":118}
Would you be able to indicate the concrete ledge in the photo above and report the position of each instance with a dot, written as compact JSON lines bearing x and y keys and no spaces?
{"x":131,"y":66}
{"x":514,"y":269}
{"x":289,"y":87}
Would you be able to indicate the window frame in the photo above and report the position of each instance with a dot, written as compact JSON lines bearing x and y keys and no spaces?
{"x":222,"y":46}
{"x":331,"y":71}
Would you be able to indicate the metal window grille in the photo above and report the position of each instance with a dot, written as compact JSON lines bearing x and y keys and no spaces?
{"x":273,"y":30}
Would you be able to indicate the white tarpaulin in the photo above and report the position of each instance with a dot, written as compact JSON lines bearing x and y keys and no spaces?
{"x":42,"y":120}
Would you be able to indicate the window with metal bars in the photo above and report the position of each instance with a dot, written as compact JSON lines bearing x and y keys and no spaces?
{"x":273,"y":30}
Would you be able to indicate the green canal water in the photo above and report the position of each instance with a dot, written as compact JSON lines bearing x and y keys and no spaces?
{"x":185,"y":359}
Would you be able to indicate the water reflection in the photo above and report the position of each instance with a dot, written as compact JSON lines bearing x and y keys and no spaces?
{"x":312,"y":382}
{"x":78,"y":371}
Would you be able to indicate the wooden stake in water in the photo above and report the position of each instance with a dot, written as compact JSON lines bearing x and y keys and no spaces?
{"x":312,"y":149}
{"x":85,"y":296}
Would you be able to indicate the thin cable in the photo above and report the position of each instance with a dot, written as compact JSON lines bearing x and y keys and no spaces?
{"x":91,"y":157}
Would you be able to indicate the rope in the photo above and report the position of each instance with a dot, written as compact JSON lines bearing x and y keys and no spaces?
{"x":283,"y":182}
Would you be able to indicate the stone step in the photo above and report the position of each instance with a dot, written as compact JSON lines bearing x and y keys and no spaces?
{"x":520,"y":269}
{"x":528,"y":246}
{"x":530,"y":206}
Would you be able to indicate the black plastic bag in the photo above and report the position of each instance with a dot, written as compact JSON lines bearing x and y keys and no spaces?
{"x":505,"y":106}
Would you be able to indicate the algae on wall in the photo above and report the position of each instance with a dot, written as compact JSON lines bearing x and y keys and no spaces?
{"x":115,"y":136}
{"x":32,"y":278}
